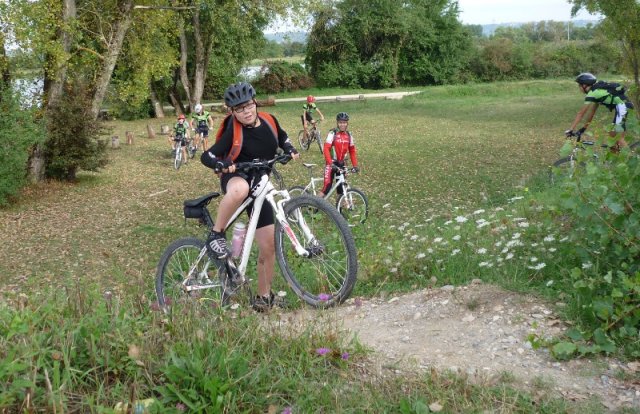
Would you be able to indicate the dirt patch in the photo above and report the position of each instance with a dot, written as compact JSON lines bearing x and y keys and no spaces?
{"x":483,"y":331}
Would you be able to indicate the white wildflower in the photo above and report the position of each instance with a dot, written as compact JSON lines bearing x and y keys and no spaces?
{"x":564,"y":239}
{"x":478,"y":212}
{"x":549,"y":283}
{"x":505,"y":250}
{"x":455,"y":251}
{"x":534,"y":259}
{"x":483,"y":264}
{"x":437,"y":240}
{"x":481,"y":250}
{"x":446,"y":223}
{"x":552,"y":249}
{"x":509,"y":256}
{"x":515,"y":236}
{"x":414,"y":237}
{"x":512,"y":199}
{"x":498,"y":209}
{"x":549,"y":238}
{"x":461,"y":219}
{"x":430,"y":250}
{"x":420,"y":256}
{"x":539,"y":266}
{"x":519,"y":219}
{"x":498,"y":243}
{"x":523,"y":224}
{"x":386,"y":205}
{"x":587,"y":265}
{"x":393,"y":270}
{"x":456,"y":237}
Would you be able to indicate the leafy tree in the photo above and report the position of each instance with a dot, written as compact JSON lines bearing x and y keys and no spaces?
{"x":381,"y":43}
{"x":622,"y":22}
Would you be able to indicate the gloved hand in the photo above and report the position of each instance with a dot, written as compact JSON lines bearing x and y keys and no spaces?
{"x":338,"y":163}
{"x":222,"y":164}
{"x":569,"y":133}
{"x":355,"y":170}
{"x":581,"y":131}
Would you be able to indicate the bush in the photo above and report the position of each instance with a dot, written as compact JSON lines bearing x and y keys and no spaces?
{"x":72,"y":137}
{"x":279,"y":77}
{"x":603,"y":200}
{"x":19,"y":133}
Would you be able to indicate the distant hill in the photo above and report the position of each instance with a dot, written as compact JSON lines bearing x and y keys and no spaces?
{"x":281,"y":37}
{"x":489,"y":29}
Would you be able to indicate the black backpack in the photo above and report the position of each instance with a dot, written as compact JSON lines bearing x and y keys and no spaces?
{"x":614,"y":89}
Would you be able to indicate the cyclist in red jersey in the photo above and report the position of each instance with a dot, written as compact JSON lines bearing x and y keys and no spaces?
{"x":341,"y":140}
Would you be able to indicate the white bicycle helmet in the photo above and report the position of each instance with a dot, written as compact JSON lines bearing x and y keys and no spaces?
{"x":198,"y":108}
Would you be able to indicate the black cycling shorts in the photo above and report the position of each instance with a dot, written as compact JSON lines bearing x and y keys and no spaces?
{"x":266,"y":214}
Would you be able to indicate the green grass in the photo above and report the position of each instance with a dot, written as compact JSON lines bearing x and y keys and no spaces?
{"x":425,"y":160}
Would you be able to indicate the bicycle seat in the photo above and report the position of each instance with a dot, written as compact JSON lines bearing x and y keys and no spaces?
{"x":201,"y":201}
{"x":309,"y":165}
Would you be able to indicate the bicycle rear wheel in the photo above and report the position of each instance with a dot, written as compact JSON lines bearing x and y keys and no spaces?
{"x":354,"y":206}
{"x":304,"y":141}
{"x":316,"y":136}
{"x":182,"y":261}
{"x":327,"y":276}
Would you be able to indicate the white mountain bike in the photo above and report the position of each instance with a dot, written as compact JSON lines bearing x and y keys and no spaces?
{"x":315,"y":250}
{"x":351,"y":202}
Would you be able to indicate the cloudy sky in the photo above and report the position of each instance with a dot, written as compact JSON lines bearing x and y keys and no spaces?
{"x":516,"y":11}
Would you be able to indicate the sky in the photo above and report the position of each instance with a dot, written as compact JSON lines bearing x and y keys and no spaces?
{"x":496,"y":11}
{"x":516,"y":11}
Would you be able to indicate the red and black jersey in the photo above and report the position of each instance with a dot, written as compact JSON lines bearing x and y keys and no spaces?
{"x":342,"y":142}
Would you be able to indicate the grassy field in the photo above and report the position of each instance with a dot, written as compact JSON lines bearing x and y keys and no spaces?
{"x":78,"y":261}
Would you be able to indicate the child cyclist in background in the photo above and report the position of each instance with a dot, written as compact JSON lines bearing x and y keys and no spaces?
{"x":178,"y":139}
{"x":341,"y":141}
{"x":307,"y":115}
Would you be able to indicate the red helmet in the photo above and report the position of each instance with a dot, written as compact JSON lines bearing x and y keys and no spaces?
{"x":181,"y":117}
{"x":311,"y":99}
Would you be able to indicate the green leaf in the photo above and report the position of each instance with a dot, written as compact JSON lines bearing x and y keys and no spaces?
{"x":564,"y":350}
{"x":575,"y":334}
{"x":601,"y":338}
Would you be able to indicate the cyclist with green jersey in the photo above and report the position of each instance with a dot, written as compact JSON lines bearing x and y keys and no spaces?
{"x":307,"y":115}
{"x":180,"y":136}
{"x":594,"y":97}
{"x":201,"y":121}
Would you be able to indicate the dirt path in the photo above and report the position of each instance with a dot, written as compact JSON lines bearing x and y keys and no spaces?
{"x":482,"y":330}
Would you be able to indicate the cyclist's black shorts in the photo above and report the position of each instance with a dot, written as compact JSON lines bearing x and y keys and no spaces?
{"x":183,"y":141}
{"x":306,"y":115}
{"x":266,"y":214}
{"x":203,"y":130}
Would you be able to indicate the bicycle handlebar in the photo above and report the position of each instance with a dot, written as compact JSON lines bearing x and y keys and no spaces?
{"x":263,"y":164}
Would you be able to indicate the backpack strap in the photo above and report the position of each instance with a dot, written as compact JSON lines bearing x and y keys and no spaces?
{"x":236,"y":145}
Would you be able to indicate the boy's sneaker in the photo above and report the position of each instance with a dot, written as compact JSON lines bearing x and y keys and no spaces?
{"x":265,"y":303}
{"x":217,"y":245}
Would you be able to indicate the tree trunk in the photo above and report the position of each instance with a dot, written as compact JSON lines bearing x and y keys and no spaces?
{"x":56,"y":82}
{"x":4,"y":64}
{"x":150,"y":131}
{"x":113,"y":50}
{"x":155,"y":102}
{"x":184,"y":76}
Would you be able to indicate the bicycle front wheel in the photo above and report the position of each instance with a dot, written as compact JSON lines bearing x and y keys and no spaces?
{"x":182,"y":266}
{"x":316,"y":136}
{"x":327,"y":275}
{"x":562,"y":169}
{"x":303,"y":140}
{"x":297,"y":191}
{"x":177,"y":161}
{"x":354,"y":206}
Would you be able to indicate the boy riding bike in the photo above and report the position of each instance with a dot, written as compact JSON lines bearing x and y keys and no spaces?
{"x":307,"y":114}
{"x":179,"y":137}
{"x":611,"y":96}
{"x":341,"y":140}
{"x":201,"y":121}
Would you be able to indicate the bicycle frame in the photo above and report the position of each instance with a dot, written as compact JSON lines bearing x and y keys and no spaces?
{"x":340,"y":180}
{"x":259,"y":193}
